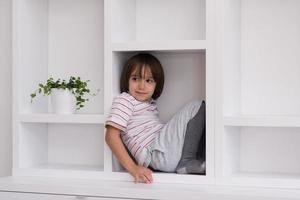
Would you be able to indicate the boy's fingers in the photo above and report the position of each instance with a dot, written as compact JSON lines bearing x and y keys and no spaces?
{"x":140,"y":179}
{"x":149,"y":176}
{"x":145,"y":176}
{"x":136,"y":179}
{"x":148,"y":180}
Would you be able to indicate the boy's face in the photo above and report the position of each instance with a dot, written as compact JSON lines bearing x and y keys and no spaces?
{"x":142,"y":85}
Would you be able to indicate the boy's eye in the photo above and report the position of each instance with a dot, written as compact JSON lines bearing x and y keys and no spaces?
{"x":150,"y":81}
{"x":135,"y":78}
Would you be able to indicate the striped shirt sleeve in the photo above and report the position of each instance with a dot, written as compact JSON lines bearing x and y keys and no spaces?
{"x":120,"y":113}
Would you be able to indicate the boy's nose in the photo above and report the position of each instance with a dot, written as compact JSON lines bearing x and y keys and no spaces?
{"x":141,"y":84}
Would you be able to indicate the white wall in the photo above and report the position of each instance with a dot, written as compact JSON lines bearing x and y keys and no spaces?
{"x":5,"y":87}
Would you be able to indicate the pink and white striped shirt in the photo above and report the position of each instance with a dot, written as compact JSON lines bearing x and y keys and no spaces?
{"x":138,"y":122}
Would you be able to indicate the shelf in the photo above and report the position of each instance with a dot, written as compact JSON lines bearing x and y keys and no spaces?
{"x":274,"y":180}
{"x":263,"y":121}
{"x":183,"y":46}
{"x":130,"y":190}
{"x":63,"y":171}
{"x":267,"y":175}
{"x":69,"y":167}
{"x":60,"y":118}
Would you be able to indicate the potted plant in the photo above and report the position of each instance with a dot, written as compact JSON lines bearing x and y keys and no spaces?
{"x":66,"y":96}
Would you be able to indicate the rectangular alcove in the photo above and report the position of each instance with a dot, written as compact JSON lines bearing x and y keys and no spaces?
{"x":59,"y":39}
{"x":262,"y":151}
{"x":261,"y":62}
{"x":185,"y":80}
{"x":54,"y":149}
{"x":142,"y":20}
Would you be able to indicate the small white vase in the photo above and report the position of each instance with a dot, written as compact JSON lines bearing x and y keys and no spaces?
{"x":62,"y":101}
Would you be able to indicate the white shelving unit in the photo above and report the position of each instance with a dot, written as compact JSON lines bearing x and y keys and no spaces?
{"x":93,"y":39}
{"x":240,"y":56}
{"x":258,"y":93}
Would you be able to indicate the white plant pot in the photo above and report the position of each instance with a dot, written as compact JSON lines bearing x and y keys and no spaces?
{"x":62,"y":101}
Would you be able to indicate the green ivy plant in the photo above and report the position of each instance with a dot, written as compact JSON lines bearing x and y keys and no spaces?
{"x":77,"y":86}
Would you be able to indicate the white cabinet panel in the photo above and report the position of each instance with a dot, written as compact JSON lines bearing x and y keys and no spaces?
{"x":99,"y":198}
{"x":35,"y":196}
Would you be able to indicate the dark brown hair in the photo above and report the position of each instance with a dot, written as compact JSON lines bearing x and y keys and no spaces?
{"x":138,"y":62}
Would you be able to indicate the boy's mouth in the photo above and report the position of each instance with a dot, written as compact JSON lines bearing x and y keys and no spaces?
{"x":141,"y":93}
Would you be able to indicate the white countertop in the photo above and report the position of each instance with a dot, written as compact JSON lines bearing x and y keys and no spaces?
{"x":118,"y":189}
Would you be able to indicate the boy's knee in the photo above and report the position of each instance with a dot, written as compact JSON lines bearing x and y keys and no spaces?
{"x":194,"y":103}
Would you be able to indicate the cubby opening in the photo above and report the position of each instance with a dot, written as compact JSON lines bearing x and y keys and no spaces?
{"x":142,"y":20}
{"x":261,"y":152}
{"x":61,"y":146}
{"x":58,"y":39}
{"x":185,"y":80}
{"x":261,"y":61}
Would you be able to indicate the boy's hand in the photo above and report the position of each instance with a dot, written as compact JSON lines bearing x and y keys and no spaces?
{"x":114,"y":141}
{"x":141,"y":174}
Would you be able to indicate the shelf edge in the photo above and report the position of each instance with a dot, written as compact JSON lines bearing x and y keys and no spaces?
{"x":55,"y":118}
{"x":262,"y":121}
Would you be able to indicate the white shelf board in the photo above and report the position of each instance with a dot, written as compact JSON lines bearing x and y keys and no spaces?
{"x":262,"y":179}
{"x":70,"y":167}
{"x":182,"y":45}
{"x":130,"y":190}
{"x":61,"y":171}
{"x":97,"y":172}
{"x":272,"y":175}
{"x":162,"y":177}
{"x":61,"y":118}
{"x":263,"y":121}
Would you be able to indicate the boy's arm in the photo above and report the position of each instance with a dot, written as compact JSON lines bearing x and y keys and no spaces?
{"x":114,"y":141}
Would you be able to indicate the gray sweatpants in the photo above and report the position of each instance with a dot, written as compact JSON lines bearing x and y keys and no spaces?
{"x":167,"y":146}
